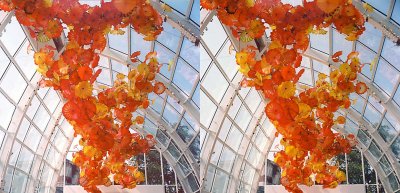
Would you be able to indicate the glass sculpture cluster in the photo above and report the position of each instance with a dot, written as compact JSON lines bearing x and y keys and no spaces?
{"x":101,"y":115}
{"x":304,"y":118}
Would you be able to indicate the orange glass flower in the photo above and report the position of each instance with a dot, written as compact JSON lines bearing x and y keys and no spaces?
{"x":83,"y":89}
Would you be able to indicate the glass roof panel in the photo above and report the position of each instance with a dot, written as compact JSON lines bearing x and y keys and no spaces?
{"x":24,"y":60}
{"x":253,"y":100}
{"x":119,"y":42}
{"x":185,"y":131}
{"x":243,"y":118}
{"x":381,"y":5}
{"x":366,"y":56}
{"x":91,"y":2}
{"x":205,"y":61}
{"x":396,"y":14}
{"x":394,"y":181}
{"x":384,"y":163}
{"x":221,"y":181}
{"x":171,"y":115}
{"x":375,"y":150}
{"x":226,"y":160}
{"x":386,"y":77}
{"x":234,"y":138}
{"x":391,"y":52}
{"x":306,"y":78}
{"x":372,"y":115}
{"x":320,"y":67}
{"x":13,"y":36}
{"x":164,"y":57}
{"x":185,"y":76}
{"x":191,"y":54}
{"x":341,"y":44}
{"x":375,"y":103}
{"x":226,"y":61}
{"x":13,"y":84}
{"x":371,"y":37}
{"x":319,"y":42}
{"x":196,"y":96}
{"x":33,"y":138}
{"x":214,"y":42}
{"x":396,"y":147}
{"x":139,"y":44}
{"x":4,"y":60}
{"x":169,"y":37}
{"x":207,"y":110}
{"x":7,"y":112}
{"x":214,"y":75}
{"x":179,"y":5}
{"x":195,"y":14}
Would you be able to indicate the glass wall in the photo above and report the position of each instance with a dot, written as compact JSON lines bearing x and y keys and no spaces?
{"x":357,"y":168}
{"x":33,"y":135}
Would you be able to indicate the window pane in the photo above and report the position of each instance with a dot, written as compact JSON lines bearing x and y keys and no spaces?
{"x":396,"y":147}
{"x":366,"y":57}
{"x":354,"y":167}
{"x":341,"y":44}
{"x":371,"y":37}
{"x":41,"y":119}
{"x":169,"y":174}
{"x":195,"y":14}
{"x":213,"y":41}
{"x":207,"y":110}
{"x":13,"y":84}
{"x":4,"y":62}
{"x":19,"y":182}
{"x":164,"y":56}
{"x":13,"y":36}
{"x":25,"y":61}
{"x":226,"y":160}
{"x":179,"y":5}
{"x":171,"y":115}
{"x":386,"y":76}
{"x":153,"y":164}
{"x":195,"y":147}
{"x":213,"y":76}
{"x":169,"y":37}
{"x":6,"y":112}
{"x":139,"y":44}
{"x":220,"y":182}
{"x":226,"y":59}
{"x":234,"y":138}
{"x":380,"y":5}
{"x":33,"y":138}
{"x":374,"y":149}
{"x":319,"y":42}
{"x":185,"y":131}
{"x":391,"y":52}
{"x":173,"y":150}
{"x":25,"y":160}
{"x":191,"y":53}
{"x":396,"y":14}
{"x":119,"y":42}
{"x":185,"y":77}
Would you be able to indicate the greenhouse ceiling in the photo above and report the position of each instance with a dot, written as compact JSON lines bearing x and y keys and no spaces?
{"x":209,"y":125}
